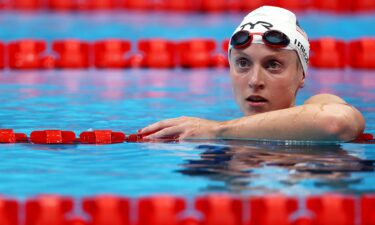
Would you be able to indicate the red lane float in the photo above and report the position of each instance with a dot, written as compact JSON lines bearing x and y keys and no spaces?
{"x":189,"y":221}
{"x":365,"y":138}
{"x":101,"y":137}
{"x":253,"y":4}
{"x":61,"y":5}
{"x":210,"y":6}
{"x":339,"y":6}
{"x":72,"y":53}
{"x":138,"y":4}
{"x":293,"y":5}
{"x":8,"y":211}
{"x":161,"y":53}
{"x":362,"y":53}
{"x":96,"y":5}
{"x":332,"y":209}
{"x":8,"y":136}
{"x":107,"y":210}
{"x":48,"y":210}
{"x":196,"y":53}
{"x":214,"y":209}
{"x":363,"y":5}
{"x":328,"y":53}
{"x":159,"y":210}
{"x":135,"y":138}
{"x":273,"y":209}
{"x":221,"y":59}
{"x":367,"y":205}
{"x":26,"y":4}
{"x":157,"y":53}
{"x":77,"y":221}
{"x":52,"y":137}
{"x":220,"y":210}
{"x":225,"y":45}
{"x":181,"y":6}
{"x":2,"y":53}
{"x":139,"y":137}
{"x":26,"y":54}
{"x":21,"y":138}
{"x":65,"y":5}
{"x":143,"y":137}
{"x":110,"y":53}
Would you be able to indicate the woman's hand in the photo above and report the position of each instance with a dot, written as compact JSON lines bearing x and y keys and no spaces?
{"x":181,"y":128}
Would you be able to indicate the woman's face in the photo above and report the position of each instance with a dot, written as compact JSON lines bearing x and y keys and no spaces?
{"x":264,"y":78}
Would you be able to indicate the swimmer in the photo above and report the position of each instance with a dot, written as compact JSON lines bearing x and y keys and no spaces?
{"x":268,"y":57}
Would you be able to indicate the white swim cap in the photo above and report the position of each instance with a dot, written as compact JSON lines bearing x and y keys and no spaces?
{"x":275,"y":18}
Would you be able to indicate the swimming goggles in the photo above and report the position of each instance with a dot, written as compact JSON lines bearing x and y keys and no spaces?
{"x":271,"y":38}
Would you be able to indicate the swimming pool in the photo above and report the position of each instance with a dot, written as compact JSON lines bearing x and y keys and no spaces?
{"x":126,"y":100}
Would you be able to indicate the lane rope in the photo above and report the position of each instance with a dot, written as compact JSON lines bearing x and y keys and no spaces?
{"x":99,"y":137}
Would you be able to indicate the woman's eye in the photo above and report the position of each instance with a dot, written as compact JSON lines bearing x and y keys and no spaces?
{"x":274,"y":65}
{"x":242,"y":63}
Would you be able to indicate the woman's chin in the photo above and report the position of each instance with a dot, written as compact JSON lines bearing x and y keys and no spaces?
{"x":252,"y":111}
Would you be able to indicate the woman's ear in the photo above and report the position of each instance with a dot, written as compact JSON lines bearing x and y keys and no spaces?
{"x":302,"y":81}
{"x":300,"y":72}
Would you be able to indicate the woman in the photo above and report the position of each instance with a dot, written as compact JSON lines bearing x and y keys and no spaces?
{"x":268,"y":57}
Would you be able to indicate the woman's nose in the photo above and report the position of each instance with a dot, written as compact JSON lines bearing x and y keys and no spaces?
{"x":256,"y":79}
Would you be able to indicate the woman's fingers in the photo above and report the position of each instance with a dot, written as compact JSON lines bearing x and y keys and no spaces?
{"x":180,"y":128}
{"x":167,"y":133}
{"x":160,"y":125}
{"x":156,"y":126}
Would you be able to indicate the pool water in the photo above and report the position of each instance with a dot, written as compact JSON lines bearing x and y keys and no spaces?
{"x":126,"y":100}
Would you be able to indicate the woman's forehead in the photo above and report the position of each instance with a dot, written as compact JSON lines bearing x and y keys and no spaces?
{"x":261,"y":50}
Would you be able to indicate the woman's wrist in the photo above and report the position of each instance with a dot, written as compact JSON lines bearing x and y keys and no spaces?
{"x":221,"y":130}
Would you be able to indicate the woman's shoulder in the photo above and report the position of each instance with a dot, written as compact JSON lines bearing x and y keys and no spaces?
{"x":325,"y":98}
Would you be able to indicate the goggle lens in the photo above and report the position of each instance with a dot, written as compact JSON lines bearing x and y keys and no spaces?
{"x":276,"y":38}
{"x":240,"y":38}
{"x":273,"y":38}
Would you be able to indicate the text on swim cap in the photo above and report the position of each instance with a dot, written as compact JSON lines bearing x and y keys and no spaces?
{"x":252,"y":25}
{"x":302,"y":49}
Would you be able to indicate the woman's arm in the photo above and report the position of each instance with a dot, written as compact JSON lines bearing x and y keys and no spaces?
{"x":322,"y":118}
{"x":316,"y":122}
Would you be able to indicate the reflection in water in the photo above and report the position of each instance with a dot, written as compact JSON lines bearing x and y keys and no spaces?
{"x":271,"y":167}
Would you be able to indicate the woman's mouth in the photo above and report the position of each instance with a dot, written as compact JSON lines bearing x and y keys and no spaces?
{"x":256,"y":100}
